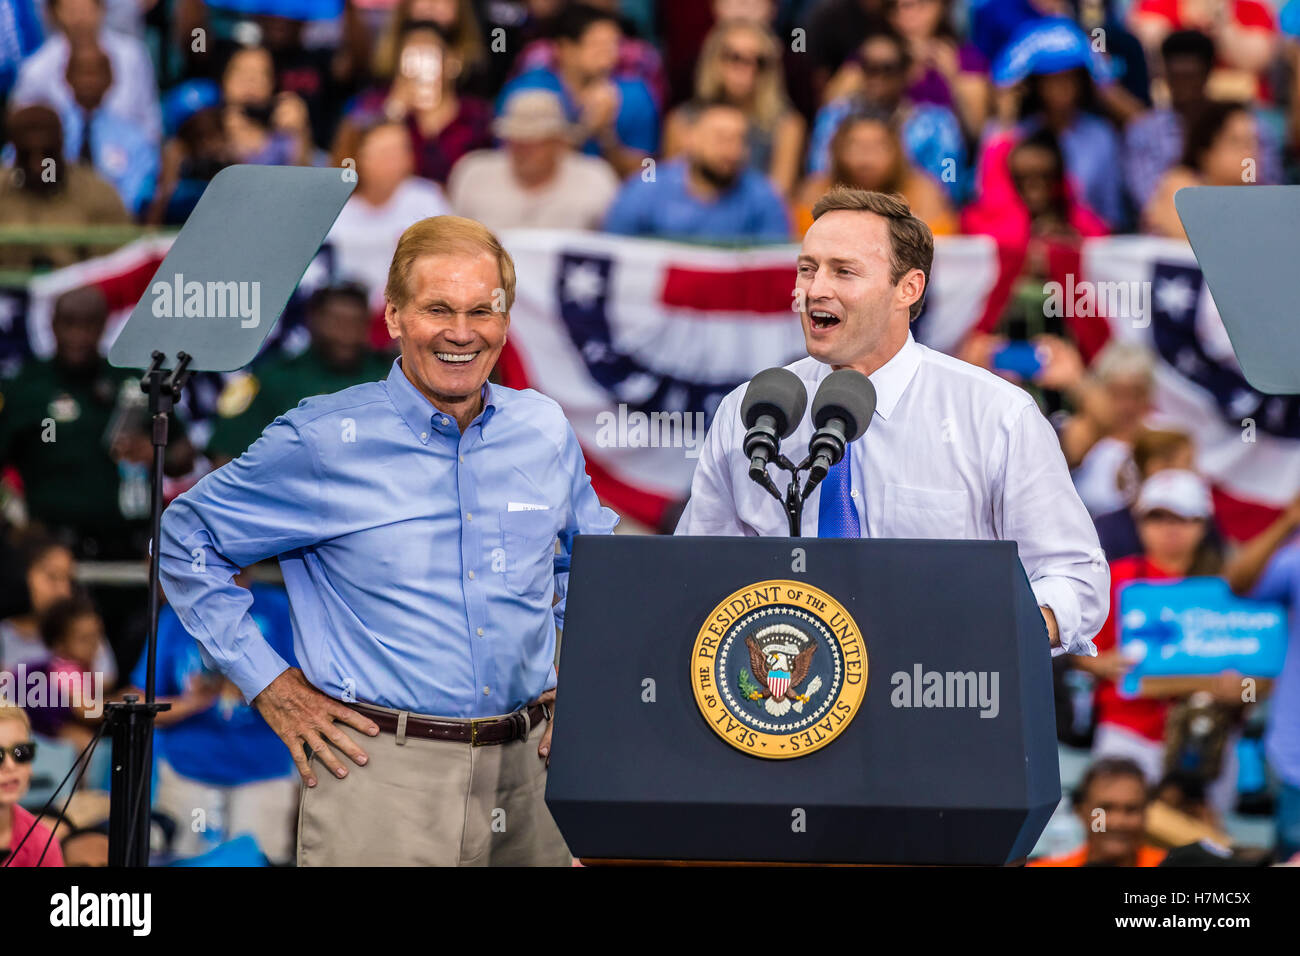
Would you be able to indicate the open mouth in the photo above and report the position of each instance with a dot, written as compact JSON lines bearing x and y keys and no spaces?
{"x":821,"y":319}
{"x":456,"y":358}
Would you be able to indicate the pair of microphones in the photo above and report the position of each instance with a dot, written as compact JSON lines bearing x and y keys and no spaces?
{"x":772,"y":409}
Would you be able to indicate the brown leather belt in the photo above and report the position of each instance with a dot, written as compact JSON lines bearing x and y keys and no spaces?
{"x":482,"y":731}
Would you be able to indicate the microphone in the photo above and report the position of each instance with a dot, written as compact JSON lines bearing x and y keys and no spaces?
{"x":841,"y":412}
{"x":773,"y":408}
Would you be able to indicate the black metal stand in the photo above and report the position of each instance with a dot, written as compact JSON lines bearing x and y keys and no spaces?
{"x":794,"y":498}
{"x":131,"y":721}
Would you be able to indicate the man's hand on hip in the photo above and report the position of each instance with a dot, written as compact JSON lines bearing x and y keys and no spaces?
{"x":1053,"y":630}
{"x":301,"y":715}
{"x":544,"y":748}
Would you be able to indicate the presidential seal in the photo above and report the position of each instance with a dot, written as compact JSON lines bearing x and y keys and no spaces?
{"x":779,"y":669}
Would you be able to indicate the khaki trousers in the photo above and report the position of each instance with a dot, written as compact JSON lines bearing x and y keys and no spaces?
{"x":432,"y":803}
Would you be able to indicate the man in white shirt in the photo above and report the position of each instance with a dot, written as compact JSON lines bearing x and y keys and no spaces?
{"x":953,"y":451}
{"x":389,"y":197}
{"x":133,"y":94}
{"x":536,"y":180}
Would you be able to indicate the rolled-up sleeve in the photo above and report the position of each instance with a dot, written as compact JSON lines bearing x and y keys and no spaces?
{"x":712,"y":508}
{"x":1041,"y":512}
{"x":585,"y":515}
{"x":262,"y":504}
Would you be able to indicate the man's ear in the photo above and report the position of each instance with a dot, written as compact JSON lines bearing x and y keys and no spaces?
{"x":911,"y":287}
{"x":390,"y":320}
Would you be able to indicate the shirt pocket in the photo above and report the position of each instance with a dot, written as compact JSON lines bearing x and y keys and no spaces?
{"x":925,"y":512}
{"x":528,"y":538}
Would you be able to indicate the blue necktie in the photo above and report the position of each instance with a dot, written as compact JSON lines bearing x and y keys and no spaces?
{"x":836,"y":515}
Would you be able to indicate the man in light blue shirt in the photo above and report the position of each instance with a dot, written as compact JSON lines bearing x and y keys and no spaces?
{"x":710,"y":196}
{"x":416,"y":522}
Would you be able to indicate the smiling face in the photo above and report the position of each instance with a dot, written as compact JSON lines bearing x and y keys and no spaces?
{"x":1123,"y":804}
{"x":451,"y":328}
{"x":14,"y":777}
{"x":853,"y":314}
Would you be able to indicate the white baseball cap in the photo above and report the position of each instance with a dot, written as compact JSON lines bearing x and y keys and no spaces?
{"x":1176,"y":490}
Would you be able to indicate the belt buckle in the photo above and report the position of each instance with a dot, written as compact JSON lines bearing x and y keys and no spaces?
{"x":473,"y":732}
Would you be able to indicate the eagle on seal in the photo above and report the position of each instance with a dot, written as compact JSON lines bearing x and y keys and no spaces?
{"x":780,"y":667}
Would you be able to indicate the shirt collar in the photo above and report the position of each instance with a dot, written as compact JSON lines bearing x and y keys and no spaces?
{"x":420,"y":414}
{"x":892,"y":378}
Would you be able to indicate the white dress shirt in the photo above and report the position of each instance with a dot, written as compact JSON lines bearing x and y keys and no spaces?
{"x":953,"y":451}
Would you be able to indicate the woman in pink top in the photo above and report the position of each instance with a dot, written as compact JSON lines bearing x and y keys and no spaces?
{"x":23,"y":842}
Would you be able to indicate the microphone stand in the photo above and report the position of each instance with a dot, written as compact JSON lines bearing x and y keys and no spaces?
{"x":792,"y":501}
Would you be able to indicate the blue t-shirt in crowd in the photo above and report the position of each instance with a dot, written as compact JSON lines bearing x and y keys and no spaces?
{"x":749,"y":211}
{"x":637,"y":123}
{"x":229,"y":743}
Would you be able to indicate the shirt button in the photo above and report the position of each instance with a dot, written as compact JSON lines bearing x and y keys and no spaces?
{"x":480,"y":632}
{"x":486,"y":690}
{"x":444,"y":421}
{"x":471,"y":575}
{"x":462,"y":458}
{"x":469,"y":516}
{"x":424,"y":436}
{"x":853,"y":493}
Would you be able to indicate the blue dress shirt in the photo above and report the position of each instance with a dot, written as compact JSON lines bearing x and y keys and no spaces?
{"x":750,"y":211}
{"x":420,"y":562}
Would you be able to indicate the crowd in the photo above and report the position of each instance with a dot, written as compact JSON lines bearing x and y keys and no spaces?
{"x":1038,"y":123}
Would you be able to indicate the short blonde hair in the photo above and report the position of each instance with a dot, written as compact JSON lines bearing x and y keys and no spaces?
{"x":10,"y":712}
{"x":442,"y":235}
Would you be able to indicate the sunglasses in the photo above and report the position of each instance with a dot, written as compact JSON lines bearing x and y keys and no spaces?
{"x":759,"y":62}
{"x":22,"y":753}
{"x":882,"y":67}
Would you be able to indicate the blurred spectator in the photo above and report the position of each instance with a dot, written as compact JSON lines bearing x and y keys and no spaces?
{"x":262,"y":127}
{"x":637,"y":59}
{"x":1023,"y":193}
{"x":834,"y":30}
{"x":42,"y":78}
{"x":388,"y":198}
{"x":1111,"y":403}
{"x":86,"y":846}
{"x":214,"y":750}
{"x":1111,"y":802}
{"x":709,"y":195}
{"x":876,"y":76}
{"x":338,"y":318}
{"x":106,"y":141}
{"x":1267,"y":568}
{"x":1244,"y":33}
{"x":1051,"y":73}
{"x":618,"y":117}
{"x":741,"y":64}
{"x":49,"y":571}
{"x":74,"y":637}
{"x":1154,"y":142}
{"x":536,"y":180}
{"x":867,"y":153}
{"x":458,"y":23}
{"x":443,"y":124}
{"x":23,"y":841}
{"x":304,"y":76}
{"x":1222,"y":146}
{"x":42,"y":189}
{"x":1152,"y":450}
{"x":76,"y":430}
{"x":945,"y":70}
{"x":1174,"y":511}
{"x":198,"y":147}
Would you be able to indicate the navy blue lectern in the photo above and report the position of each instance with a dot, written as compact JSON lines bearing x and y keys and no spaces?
{"x":696,"y":721}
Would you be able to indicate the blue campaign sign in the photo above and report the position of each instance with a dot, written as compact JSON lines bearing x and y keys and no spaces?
{"x":1197,"y":626}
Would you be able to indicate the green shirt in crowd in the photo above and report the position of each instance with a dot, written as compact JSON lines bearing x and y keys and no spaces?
{"x":251,"y":401}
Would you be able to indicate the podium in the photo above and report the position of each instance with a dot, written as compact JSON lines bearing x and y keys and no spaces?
{"x":697,"y":721}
